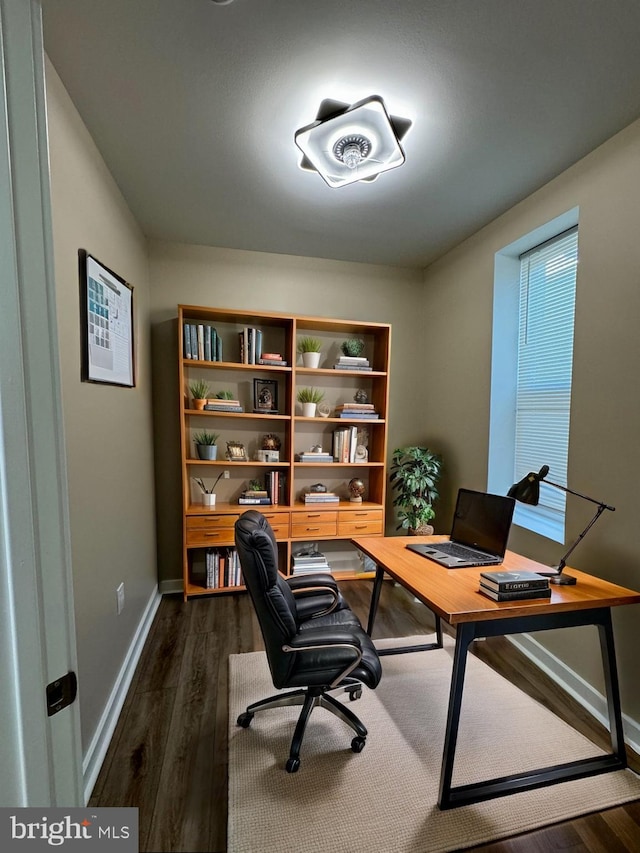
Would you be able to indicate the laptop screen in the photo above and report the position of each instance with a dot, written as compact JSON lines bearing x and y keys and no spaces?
{"x":482,"y":521}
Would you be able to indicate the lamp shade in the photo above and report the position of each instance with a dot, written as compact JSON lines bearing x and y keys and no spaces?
{"x":527,"y":490}
{"x":349,"y":143}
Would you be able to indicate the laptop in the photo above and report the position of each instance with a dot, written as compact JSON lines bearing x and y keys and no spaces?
{"x":479,"y":534}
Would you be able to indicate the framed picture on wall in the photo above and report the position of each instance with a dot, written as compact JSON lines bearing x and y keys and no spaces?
{"x":265,"y":396}
{"x":106,"y":324}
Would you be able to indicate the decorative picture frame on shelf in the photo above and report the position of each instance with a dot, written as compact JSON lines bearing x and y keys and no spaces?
{"x":265,"y":396}
{"x":236,"y":452}
{"x":106,"y":324}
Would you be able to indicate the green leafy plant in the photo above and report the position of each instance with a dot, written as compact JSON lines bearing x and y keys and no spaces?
{"x":310,"y":395}
{"x":206,"y":437}
{"x":225,"y":395}
{"x":415,"y":472}
{"x":309,"y":345}
{"x":255,"y":485}
{"x":353,"y":347}
{"x":199,"y":389}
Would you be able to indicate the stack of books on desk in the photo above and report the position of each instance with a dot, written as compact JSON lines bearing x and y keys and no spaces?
{"x":312,"y":456}
{"x":255,"y":496}
{"x":310,"y":562}
{"x":513,"y":586}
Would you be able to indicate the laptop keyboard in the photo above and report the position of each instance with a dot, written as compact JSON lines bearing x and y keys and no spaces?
{"x":453,"y":550}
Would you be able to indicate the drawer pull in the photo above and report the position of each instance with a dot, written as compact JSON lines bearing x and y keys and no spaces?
{"x":313,"y":515}
{"x":212,"y":534}
{"x":361,"y":526}
{"x":310,"y":529}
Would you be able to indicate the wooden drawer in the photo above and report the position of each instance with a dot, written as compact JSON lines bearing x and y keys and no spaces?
{"x":279,"y":522}
{"x":305,"y":525}
{"x":360,"y":522}
{"x":211,"y":522}
{"x":208,"y":530}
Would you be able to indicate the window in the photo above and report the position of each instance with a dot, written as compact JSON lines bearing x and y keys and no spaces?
{"x":534,"y":308}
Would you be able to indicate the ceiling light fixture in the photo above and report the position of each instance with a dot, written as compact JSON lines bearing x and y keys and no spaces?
{"x":352,"y":142}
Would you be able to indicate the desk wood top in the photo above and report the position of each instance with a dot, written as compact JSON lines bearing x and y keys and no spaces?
{"x":453,"y":593}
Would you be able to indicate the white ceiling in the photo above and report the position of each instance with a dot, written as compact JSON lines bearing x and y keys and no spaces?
{"x":193,"y":106}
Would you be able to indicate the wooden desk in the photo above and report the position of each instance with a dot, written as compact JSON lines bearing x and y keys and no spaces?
{"x":452,"y":594}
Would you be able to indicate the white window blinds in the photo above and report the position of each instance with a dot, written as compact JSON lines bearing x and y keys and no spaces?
{"x":545,"y":356}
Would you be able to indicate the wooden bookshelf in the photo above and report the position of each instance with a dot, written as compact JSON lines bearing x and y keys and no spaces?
{"x":294,"y":522}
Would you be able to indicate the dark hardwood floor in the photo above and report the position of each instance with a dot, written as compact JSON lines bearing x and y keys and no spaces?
{"x":168,"y":755}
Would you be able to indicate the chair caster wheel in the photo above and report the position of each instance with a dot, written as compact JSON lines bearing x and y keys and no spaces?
{"x":357,"y":744}
{"x":292,"y":765}
{"x":244,"y":720}
{"x":355,"y":694}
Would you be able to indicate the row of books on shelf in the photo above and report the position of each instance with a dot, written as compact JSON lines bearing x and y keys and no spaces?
{"x":309,"y":561}
{"x":250,"y":341}
{"x":222,"y":568}
{"x":345,"y":441}
{"x":514,"y":586}
{"x":347,"y":362}
{"x":201,"y":342}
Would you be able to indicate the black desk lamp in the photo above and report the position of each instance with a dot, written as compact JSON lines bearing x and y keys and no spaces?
{"x":527,"y":491}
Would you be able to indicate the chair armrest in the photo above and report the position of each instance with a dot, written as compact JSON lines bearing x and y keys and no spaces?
{"x":315,"y":638}
{"x":315,"y":579}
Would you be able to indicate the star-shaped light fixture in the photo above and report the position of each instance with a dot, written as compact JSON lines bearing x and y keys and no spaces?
{"x":352,"y":142}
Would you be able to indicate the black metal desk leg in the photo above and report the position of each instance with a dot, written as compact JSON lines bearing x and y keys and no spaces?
{"x":464,"y":635}
{"x":612,"y":689}
{"x":375,"y":598}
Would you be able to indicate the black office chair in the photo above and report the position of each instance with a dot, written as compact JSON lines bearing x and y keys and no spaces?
{"x":314,"y":642}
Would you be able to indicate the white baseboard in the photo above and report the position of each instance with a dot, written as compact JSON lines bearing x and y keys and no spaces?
{"x":583,"y":692}
{"x":92,"y":761}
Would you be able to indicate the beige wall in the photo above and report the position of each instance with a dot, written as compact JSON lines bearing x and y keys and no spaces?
{"x":227,"y":278}
{"x":604,"y":457}
{"x":108,"y":429}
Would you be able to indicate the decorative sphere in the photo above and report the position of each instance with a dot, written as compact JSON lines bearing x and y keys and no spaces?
{"x":356,"y":487}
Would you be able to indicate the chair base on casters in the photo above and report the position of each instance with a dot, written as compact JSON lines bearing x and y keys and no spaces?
{"x":310,"y":698}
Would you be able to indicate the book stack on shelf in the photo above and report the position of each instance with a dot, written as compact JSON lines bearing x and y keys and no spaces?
{"x":315,"y":498}
{"x":273,"y":358}
{"x":514,"y":586}
{"x":201,"y":342}
{"x":252,"y":497}
{"x":364,"y":411}
{"x":348,"y":362}
{"x":219,"y":404}
{"x":222,"y":568}
{"x":314,"y":456}
{"x":309,"y":562}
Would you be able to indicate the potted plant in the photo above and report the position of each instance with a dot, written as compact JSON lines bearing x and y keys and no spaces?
{"x":200,"y":392}
{"x":209,"y":494}
{"x":309,"y":349}
{"x":352,"y":347}
{"x":205,"y":443}
{"x":415,"y":472}
{"x":309,"y":397}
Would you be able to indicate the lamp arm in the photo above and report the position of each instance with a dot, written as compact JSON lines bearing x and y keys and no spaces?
{"x":599,"y":511}
{"x":580,"y":495}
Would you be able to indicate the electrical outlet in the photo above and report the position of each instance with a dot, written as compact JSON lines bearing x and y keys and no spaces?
{"x":225,"y":474}
{"x":120,"y":598}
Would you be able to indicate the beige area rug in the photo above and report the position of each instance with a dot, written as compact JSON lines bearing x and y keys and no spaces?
{"x":384,"y":800}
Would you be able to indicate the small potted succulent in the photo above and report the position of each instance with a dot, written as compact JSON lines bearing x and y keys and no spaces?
{"x":415,"y":472}
{"x":205,"y":443}
{"x":353,"y":347}
{"x":310,"y":350}
{"x":309,"y":397}
{"x":200,"y":392}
